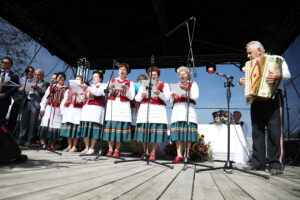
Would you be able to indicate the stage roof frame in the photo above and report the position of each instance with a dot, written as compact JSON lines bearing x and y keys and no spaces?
{"x":132,"y":31}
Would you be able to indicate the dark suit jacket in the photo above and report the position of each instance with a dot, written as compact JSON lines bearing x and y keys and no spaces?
{"x":10,"y":90}
{"x":38,"y":93}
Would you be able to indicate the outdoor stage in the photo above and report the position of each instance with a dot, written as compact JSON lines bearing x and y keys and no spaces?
{"x":49,"y":176}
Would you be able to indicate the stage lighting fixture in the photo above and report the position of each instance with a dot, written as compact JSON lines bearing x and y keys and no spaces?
{"x":211,"y":68}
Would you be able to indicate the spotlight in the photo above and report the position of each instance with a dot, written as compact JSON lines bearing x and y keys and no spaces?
{"x":211,"y":68}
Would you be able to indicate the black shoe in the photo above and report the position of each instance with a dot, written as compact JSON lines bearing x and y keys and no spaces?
{"x":252,"y":168}
{"x":28,"y":144}
{"x":20,"y":142}
{"x":276,"y":172}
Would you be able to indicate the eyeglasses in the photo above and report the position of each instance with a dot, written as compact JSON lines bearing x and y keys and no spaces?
{"x":3,"y":62}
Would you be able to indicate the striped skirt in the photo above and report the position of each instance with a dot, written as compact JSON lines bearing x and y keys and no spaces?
{"x":116,"y":131}
{"x":90,"y":130}
{"x":51,"y":133}
{"x":157,"y":132}
{"x":181,"y":132}
{"x":70,"y":130}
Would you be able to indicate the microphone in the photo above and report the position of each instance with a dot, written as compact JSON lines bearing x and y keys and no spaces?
{"x":224,"y":75}
{"x":115,"y":63}
{"x":152,"y":61}
{"x":192,"y":18}
{"x":180,"y":25}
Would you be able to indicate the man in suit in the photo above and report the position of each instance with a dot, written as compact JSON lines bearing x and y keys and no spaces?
{"x":31,"y":107}
{"x":8,"y":86}
{"x":19,"y":98}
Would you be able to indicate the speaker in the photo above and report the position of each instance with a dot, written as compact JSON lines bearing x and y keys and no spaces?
{"x":10,"y":153}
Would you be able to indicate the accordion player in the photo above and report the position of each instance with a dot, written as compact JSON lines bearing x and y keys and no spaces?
{"x":256,"y":72}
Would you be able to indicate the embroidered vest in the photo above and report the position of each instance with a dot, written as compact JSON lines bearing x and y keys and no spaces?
{"x":58,"y":95}
{"x":183,"y":98}
{"x":156,"y":100}
{"x":119,"y":93}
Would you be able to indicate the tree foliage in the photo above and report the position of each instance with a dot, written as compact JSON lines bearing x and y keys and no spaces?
{"x":15,"y":44}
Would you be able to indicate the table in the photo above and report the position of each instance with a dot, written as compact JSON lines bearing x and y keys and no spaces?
{"x":217,"y":135}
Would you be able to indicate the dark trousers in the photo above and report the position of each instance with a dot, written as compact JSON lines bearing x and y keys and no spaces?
{"x":30,"y":113}
{"x":266,"y":116}
{"x":4,"y":105}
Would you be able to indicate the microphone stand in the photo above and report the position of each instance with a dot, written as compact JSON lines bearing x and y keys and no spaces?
{"x":106,"y":91}
{"x":146,"y":156}
{"x":190,"y":62}
{"x":228,"y":164}
{"x":23,"y":102}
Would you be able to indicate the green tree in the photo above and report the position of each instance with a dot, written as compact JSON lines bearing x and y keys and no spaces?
{"x":15,"y":44}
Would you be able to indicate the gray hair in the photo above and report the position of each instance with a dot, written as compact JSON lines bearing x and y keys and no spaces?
{"x":183,"y":69}
{"x":40,"y":70}
{"x":257,"y":44}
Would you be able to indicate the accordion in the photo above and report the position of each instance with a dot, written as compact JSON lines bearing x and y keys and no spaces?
{"x":256,"y":72}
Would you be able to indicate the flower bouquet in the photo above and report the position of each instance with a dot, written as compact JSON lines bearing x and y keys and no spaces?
{"x":220,"y":117}
{"x":201,"y":151}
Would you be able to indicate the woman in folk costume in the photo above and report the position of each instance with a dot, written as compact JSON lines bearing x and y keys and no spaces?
{"x":118,"y":114}
{"x":181,"y":130}
{"x":92,"y":114}
{"x":50,"y":109}
{"x":70,"y":107}
{"x":136,"y":147}
{"x":156,"y":127}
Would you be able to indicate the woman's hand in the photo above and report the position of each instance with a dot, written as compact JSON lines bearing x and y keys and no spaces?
{"x":143,"y":94}
{"x":84,"y":86}
{"x":125,"y":87}
{"x":111,"y":86}
{"x":173,"y":96}
{"x":185,"y":87}
{"x":157,"y":92}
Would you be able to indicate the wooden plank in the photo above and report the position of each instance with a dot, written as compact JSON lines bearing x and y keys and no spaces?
{"x":181,"y":187}
{"x":116,"y":189}
{"x":32,"y":170}
{"x":34,"y":176}
{"x":228,"y":188}
{"x":292,"y":169}
{"x":286,"y":184}
{"x":154,"y":187}
{"x":44,"y":188}
{"x":34,"y":164}
{"x":205,"y":187}
{"x":260,"y":188}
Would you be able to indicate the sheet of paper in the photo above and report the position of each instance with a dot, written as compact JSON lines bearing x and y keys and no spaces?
{"x":76,"y":86}
{"x":30,"y":83}
{"x":145,"y":85}
{"x":175,"y":88}
{"x":118,"y":86}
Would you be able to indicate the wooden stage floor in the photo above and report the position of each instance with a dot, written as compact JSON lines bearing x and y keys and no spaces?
{"x":49,"y":176}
